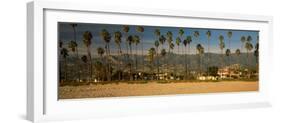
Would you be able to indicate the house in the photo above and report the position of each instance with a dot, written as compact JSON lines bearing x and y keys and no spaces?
{"x":232,"y":71}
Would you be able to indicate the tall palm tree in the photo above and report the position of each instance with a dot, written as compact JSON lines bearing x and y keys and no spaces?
{"x":64,"y":53}
{"x":163,"y":54}
{"x":75,"y":49}
{"x":170,"y":44}
{"x":136,"y":40}
{"x":60,"y":64}
{"x":229,"y":35}
{"x":85,"y":61}
{"x":200,"y":51}
{"x":130,"y":41}
{"x":151,"y":56}
{"x":227,"y":53}
{"x":238,"y":53}
{"x":100,"y":51}
{"x":100,"y":70}
{"x":222,"y":46}
{"x":249,"y":47}
{"x":186,"y":42}
{"x":140,"y":29}
{"x":209,"y":34}
{"x":126,"y":29}
{"x":181,"y":34}
{"x":242,"y":39}
{"x":87,"y":39}
{"x":156,"y":43}
{"x":256,"y":53}
{"x":178,"y":42}
{"x":118,"y":39}
{"x":99,"y":67}
{"x":196,"y":34}
{"x":106,"y":37}
{"x":162,"y":40}
{"x":169,"y":39}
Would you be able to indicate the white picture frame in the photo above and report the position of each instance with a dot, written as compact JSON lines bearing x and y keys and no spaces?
{"x":42,"y":104}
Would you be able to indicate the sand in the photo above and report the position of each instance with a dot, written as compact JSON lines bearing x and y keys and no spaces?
{"x":153,"y":88}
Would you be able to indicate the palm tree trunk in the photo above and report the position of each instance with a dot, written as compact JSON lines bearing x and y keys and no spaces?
{"x":157,"y":77}
{"x":208,"y":61}
{"x":65,"y":69}
{"x":78,"y":59}
{"x":136,"y":59}
{"x":189,"y":61}
{"x":91,"y":65}
{"x":109,"y":65}
{"x":131,"y":64}
{"x":185,"y":66}
{"x":119,"y":63}
{"x":142,"y":60}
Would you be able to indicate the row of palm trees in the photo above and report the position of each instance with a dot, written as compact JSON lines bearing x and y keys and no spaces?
{"x":103,"y":67}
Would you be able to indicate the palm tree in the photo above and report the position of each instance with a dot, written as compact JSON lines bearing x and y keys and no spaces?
{"x":162,"y":40}
{"x":222,"y":46}
{"x":140,"y":29}
{"x":249,"y":47}
{"x":187,"y":41}
{"x":163,"y":54}
{"x":229,"y":35}
{"x":209,"y":34}
{"x":151,"y":56}
{"x":178,"y":42}
{"x":100,"y":70}
{"x":64,"y":53}
{"x":227,"y":53}
{"x":60,"y":64}
{"x":200,"y":51}
{"x":157,"y":33}
{"x":106,"y":37}
{"x":98,"y":66}
{"x":118,"y":39}
{"x":100,"y":51}
{"x":126,"y":29}
{"x":181,"y":34}
{"x":242,"y":39}
{"x":169,"y":39}
{"x":87,"y":39}
{"x":136,"y":40}
{"x":196,"y":34}
{"x":75,"y":49}
{"x":130,"y":41}
{"x":256,"y":53}
{"x":85,"y":60}
{"x":238,"y":53}
{"x":156,"y":43}
{"x":170,"y":44}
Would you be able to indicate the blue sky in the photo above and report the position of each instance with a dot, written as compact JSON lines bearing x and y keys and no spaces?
{"x":148,"y":37}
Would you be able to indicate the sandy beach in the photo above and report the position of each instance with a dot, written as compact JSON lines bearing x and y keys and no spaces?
{"x":153,"y":88}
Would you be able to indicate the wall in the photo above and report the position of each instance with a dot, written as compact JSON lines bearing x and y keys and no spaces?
{"x":13,"y":61}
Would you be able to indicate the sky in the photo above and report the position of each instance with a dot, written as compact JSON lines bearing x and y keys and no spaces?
{"x":148,"y":38}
